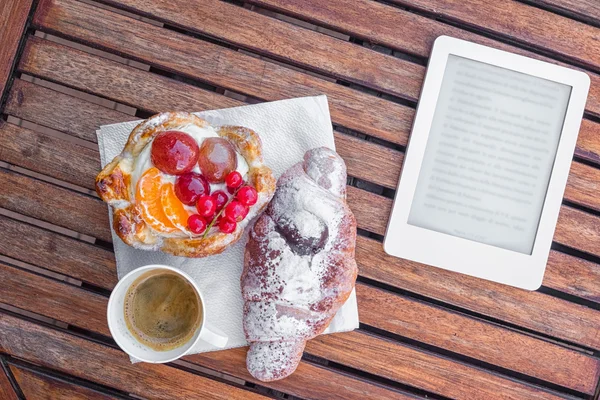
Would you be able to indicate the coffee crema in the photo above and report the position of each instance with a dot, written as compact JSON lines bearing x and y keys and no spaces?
{"x":162,"y":310}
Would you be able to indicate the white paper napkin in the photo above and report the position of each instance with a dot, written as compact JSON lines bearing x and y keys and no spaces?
{"x":288,"y":128}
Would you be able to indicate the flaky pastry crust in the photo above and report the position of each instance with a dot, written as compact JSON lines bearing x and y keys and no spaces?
{"x":114,"y":185}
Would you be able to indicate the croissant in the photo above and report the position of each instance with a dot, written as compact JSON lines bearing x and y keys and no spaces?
{"x":299,"y":265}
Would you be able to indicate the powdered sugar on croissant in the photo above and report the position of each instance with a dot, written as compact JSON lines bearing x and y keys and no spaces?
{"x":299,"y":265}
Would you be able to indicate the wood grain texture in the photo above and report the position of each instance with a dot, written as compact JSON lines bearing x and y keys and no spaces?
{"x":308,"y":381}
{"x":105,"y":365}
{"x":418,"y":368}
{"x":13,"y":17}
{"x":58,"y":253}
{"x":42,"y":387}
{"x":588,"y":10}
{"x":7,"y":391}
{"x":87,"y":310}
{"x":523,"y":23}
{"x":395,"y":29}
{"x":299,"y":46}
{"x":532,"y":310}
{"x":207,"y":62}
{"x":573,"y":275}
{"x":477,"y":339}
{"x":374,"y":116}
{"x":48,"y":155}
{"x":82,"y":308}
{"x":88,"y":215}
{"x":397,"y":314}
{"x":54,"y":299}
{"x":47,"y":107}
{"x":58,"y":114}
{"x":41,"y":200}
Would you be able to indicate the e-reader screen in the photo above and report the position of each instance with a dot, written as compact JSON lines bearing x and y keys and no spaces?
{"x":489,"y":155}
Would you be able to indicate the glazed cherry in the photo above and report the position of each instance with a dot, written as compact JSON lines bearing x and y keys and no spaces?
{"x":234,"y":180}
{"x":206,"y":206}
{"x":236,"y":211}
{"x":196,"y":224}
{"x":174,"y":152}
{"x":247,"y":196}
{"x":190,"y":186}
{"x":217,"y":158}
{"x":220,"y":198}
{"x":226,"y":225}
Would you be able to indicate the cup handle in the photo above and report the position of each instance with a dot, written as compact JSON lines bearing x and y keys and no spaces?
{"x":209,"y":335}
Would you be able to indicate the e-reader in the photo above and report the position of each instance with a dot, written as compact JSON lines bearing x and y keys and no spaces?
{"x":487,"y":163}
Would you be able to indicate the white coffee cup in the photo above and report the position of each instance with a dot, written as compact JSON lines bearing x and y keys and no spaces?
{"x":132,"y":346}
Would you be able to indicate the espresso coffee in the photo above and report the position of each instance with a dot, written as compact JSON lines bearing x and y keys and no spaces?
{"x":162,"y":310}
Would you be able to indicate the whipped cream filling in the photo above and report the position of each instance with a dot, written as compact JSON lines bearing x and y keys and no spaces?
{"x":144,"y":163}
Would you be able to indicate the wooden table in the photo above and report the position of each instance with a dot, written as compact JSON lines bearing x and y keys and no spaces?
{"x":68,"y":66}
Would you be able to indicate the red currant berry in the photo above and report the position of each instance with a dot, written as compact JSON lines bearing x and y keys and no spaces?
{"x":220,"y":199}
{"x":190,"y":186}
{"x":197,"y":224}
{"x":206,"y":206}
{"x":227,"y":225}
{"x":247,"y":195}
{"x":236,"y":211}
{"x":234,"y":180}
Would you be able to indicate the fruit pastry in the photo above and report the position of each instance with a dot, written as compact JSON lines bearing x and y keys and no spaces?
{"x":299,"y":266}
{"x":185,"y":187}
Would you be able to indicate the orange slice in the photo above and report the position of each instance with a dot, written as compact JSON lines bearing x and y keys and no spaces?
{"x":148,"y":195}
{"x":173,"y":207}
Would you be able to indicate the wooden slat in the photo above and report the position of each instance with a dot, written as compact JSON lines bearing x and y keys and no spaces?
{"x":251,"y":30}
{"x":294,"y":44}
{"x":82,"y":358}
{"x":13,"y":17}
{"x":60,"y":254}
{"x":77,"y":165}
{"x":88,"y":215}
{"x":588,"y":10}
{"x":523,"y":23}
{"x":47,"y":107}
{"x":51,"y":298}
{"x":51,"y":156}
{"x":74,"y":305}
{"x":87,"y":310}
{"x":43,"y":387}
{"x":7,"y":391}
{"x":477,"y":339}
{"x":396,"y":27}
{"x":308,"y":381}
{"x":58,"y":114}
{"x":394,"y":361}
{"x":573,"y":275}
{"x":533,"y":310}
{"x":41,"y":200}
{"x":207,"y":62}
{"x":348,"y":107}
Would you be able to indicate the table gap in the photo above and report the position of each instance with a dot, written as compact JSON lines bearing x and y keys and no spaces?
{"x":10,"y":377}
{"x":469,"y":361}
{"x":563,"y":12}
{"x":491,"y":34}
{"x":475,"y":315}
{"x":69,"y":379}
{"x":45,"y":178}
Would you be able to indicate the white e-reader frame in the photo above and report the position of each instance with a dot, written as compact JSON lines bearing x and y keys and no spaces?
{"x":519,"y":263}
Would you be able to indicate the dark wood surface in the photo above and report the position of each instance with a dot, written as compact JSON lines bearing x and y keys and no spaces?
{"x":425,"y":332}
{"x":13,"y":16}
